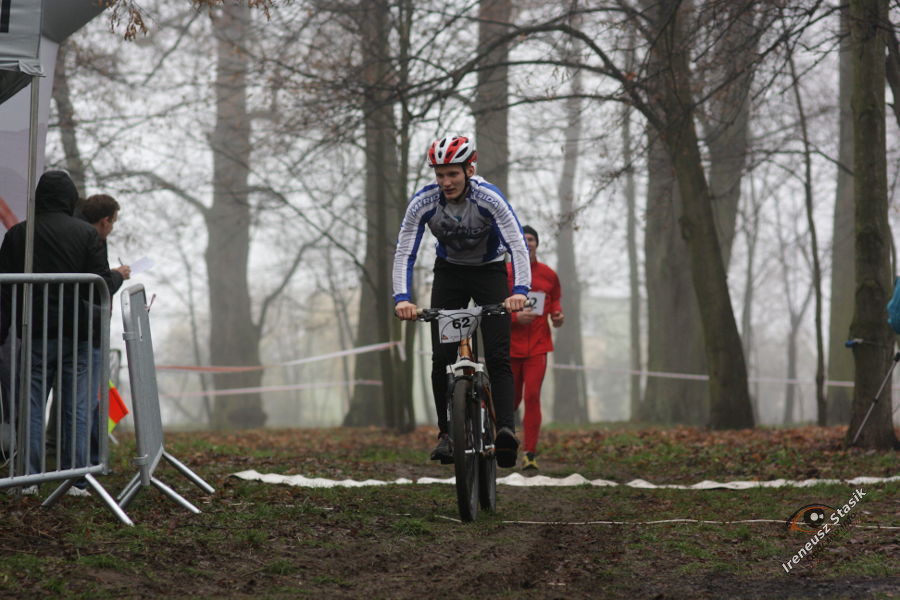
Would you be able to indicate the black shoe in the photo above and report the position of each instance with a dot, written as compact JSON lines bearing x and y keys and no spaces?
{"x":444,"y":450}
{"x":506,"y":447}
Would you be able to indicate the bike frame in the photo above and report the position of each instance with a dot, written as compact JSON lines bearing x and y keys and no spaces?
{"x":468,"y":367}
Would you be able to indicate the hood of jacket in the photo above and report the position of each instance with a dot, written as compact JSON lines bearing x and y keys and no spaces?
{"x":56,"y":192}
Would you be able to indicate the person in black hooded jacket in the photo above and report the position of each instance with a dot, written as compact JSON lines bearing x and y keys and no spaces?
{"x":62,"y":244}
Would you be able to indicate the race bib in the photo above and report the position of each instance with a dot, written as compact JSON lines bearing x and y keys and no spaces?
{"x":538,"y":306}
{"x":456,"y":324}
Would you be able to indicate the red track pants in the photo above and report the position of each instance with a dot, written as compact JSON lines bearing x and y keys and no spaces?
{"x":528,"y":375}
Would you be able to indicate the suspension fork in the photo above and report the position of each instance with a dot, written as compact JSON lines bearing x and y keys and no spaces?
{"x":486,"y":406}
{"x":451,"y":383}
{"x":464,"y":351}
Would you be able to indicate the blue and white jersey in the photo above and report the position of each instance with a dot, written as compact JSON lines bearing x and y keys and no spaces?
{"x":477,"y":231}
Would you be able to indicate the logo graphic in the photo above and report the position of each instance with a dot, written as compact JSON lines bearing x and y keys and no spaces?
{"x":820,"y":522}
{"x":810,"y":518}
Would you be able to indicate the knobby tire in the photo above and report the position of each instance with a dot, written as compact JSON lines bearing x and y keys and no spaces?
{"x":464,"y":426}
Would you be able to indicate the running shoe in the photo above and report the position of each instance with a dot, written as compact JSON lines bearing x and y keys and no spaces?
{"x":528,"y":462}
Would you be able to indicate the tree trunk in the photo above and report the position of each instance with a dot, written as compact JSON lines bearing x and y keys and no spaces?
{"x":751,"y":232}
{"x":795,"y":313}
{"x":873,"y":237}
{"x":729,"y":396}
{"x":730,"y":111}
{"x":234,"y":338}
{"x":673,"y":315}
{"x":491,"y":97}
{"x":373,"y":405}
{"x":570,"y":403}
{"x":67,"y":128}
{"x":634,"y":276}
{"x":821,"y":416}
{"x":344,"y":329}
{"x":892,"y":68}
{"x":790,"y":389}
{"x":843,"y":263}
{"x":409,"y":330}
{"x":675,"y":343}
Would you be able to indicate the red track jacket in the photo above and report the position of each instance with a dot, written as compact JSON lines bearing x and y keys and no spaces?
{"x":534,"y":339}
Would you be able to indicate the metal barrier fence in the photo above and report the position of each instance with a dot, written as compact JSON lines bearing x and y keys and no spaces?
{"x":58,"y":332}
{"x":148,"y":430}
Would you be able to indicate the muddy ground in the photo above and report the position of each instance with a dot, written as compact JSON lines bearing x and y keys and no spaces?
{"x":403,"y":541}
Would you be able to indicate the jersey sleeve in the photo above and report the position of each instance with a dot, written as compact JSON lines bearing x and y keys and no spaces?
{"x":510,"y":285}
{"x":419,"y":210}
{"x":514,"y":240}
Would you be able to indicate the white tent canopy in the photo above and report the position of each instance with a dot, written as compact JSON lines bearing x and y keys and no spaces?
{"x":20,"y":40}
{"x":23,"y":23}
{"x":30,"y":32}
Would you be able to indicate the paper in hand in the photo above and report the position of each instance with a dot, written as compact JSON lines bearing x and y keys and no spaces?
{"x":141,"y":265}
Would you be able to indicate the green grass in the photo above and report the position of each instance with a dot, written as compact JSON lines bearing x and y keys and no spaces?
{"x":412,"y":528}
{"x":281,"y":567}
{"x":105,"y":561}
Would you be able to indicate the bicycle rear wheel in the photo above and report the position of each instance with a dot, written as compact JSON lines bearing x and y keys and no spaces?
{"x":487,"y":461}
{"x":464,"y":429}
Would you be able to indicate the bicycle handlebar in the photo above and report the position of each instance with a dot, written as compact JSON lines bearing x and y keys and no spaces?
{"x":490,"y":310}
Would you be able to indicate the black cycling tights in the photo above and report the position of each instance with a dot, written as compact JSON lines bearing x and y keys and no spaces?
{"x":454,"y":286}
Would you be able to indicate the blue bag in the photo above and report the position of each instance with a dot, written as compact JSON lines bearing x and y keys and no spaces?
{"x":893,"y":308}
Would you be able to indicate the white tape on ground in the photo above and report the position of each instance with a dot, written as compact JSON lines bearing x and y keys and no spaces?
{"x":519,"y":480}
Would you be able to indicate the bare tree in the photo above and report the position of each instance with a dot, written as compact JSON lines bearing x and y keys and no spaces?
{"x":873,"y":238}
{"x":749,"y":226}
{"x":676,"y":318}
{"x":234,"y":339}
{"x":892,"y":67}
{"x":843,"y":264}
{"x":821,"y":415}
{"x":796,"y":307}
{"x":729,"y":396}
{"x":675,"y":343}
{"x":384,"y":199}
{"x":491,"y":106}
{"x":62,"y":96}
{"x":634,"y":286}
{"x":726,"y":119}
{"x":569,"y":385}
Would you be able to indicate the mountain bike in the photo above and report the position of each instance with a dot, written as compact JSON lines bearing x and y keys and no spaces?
{"x":470,"y":408}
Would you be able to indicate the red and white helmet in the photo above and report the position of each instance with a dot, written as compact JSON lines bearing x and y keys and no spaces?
{"x":452,"y":150}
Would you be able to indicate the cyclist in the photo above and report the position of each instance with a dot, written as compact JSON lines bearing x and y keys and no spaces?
{"x":475,"y":227}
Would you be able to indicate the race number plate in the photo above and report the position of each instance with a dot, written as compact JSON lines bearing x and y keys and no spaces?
{"x":456,"y":324}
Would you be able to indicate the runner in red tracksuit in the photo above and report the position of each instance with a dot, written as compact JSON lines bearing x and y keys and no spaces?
{"x":530,"y":342}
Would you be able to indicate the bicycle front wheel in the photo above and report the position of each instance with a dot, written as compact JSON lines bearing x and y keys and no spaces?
{"x":464,"y":428}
